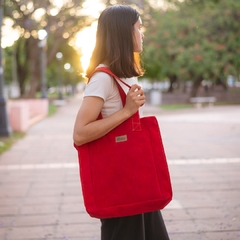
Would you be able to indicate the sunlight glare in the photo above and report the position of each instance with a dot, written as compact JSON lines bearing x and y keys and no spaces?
{"x":85,"y":40}
{"x":38,"y":14}
{"x":93,"y":8}
{"x":9,"y":35}
{"x":160,"y":4}
{"x":54,"y":12}
{"x":57,"y":3}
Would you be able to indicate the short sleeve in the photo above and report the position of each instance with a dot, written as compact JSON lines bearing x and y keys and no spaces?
{"x":100,"y":85}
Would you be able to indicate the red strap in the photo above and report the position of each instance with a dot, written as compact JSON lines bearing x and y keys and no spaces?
{"x":136,"y":126}
{"x":108,"y":71}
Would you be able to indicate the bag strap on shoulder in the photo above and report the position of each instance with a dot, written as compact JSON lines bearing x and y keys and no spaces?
{"x":108,"y":71}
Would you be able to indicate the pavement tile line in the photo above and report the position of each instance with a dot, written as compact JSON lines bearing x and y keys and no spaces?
{"x":75,"y":165}
{"x":204,"y":161}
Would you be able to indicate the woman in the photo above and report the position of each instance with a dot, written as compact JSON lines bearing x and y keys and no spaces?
{"x":118,"y":38}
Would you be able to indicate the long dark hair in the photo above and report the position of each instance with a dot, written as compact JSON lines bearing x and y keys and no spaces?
{"x":114,"y":42}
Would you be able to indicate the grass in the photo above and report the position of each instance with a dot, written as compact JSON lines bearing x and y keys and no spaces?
{"x":188,"y":106}
{"x":51,"y":96}
{"x":7,"y":142}
{"x":176,"y":106}
{"x":52,"y":109}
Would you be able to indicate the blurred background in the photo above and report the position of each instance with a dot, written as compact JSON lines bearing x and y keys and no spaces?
{"x":191,"y":49}
{"x":192,"y":84}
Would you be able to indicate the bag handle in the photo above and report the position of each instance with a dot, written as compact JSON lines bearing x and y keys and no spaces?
{"x":136,"y":125}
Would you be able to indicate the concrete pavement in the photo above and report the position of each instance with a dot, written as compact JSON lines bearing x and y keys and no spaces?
{"x":40,"y":194}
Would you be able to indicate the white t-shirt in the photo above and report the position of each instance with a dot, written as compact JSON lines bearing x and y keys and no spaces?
{"x":104,"y":86}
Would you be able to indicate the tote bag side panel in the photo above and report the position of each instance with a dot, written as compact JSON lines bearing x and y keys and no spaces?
{"x":160,"y":158}
{"x":85,"y":176}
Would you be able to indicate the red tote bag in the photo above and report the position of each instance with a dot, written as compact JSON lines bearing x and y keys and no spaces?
{"x":125,"y":172}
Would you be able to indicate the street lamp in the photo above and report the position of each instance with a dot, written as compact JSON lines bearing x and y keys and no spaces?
{"x":59,"y":57}
{"x":5,"y":130}
{"x":42,"y":36}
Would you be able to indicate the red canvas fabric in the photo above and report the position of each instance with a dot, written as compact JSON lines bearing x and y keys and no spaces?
{"x":125,"y":172}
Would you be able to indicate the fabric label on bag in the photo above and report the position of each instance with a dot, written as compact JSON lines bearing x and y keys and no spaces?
{"x":121,"y":138}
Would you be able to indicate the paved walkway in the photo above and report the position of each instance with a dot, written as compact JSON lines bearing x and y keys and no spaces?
{"x":40,"y":195}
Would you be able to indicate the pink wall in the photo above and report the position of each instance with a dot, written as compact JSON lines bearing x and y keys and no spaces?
{"x":25,"y":112}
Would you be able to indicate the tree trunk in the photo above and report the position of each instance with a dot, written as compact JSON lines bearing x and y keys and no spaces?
{"x":196,"y":85}
{"x":34,"y":66}
{"x":21,"y":73}
{"x":222,"y":83}
{"x":173,"y":79}
{"x":21,"y":67}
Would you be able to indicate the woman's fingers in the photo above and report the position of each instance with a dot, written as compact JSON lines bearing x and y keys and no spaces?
{"x":136,"y":93}
{"x":135,"y":88}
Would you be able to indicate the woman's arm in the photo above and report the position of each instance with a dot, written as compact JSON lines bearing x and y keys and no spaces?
{"x":87,"y":128}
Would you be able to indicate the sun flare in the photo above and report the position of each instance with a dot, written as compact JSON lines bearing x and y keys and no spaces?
{"x":85,"y":40}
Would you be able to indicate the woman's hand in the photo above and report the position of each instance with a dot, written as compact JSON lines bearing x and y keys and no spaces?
{"x":135,"y":99}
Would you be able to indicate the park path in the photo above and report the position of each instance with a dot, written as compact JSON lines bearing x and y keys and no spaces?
{"x":40,"y":195}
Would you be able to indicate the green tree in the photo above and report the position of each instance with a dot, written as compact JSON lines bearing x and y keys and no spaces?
{"x":213,"y":53}
{"x":61,"y":23}
{"x":161,"y":47}
{"x":56,"y":68}
{"x":8,"y":64}
{"x":198,"y":40}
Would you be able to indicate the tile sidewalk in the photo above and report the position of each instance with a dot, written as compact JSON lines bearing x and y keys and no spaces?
{"x":40,"y":194}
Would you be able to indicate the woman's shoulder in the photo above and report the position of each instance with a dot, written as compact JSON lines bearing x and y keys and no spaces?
{"x":101,"y":76}
{"x":100,"y":81}
{"x":100,"y":84}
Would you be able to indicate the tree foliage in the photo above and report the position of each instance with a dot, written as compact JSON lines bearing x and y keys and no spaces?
{"x":195,"y":40}
{"x":61,"y":21}
{"x":188,"y":40}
